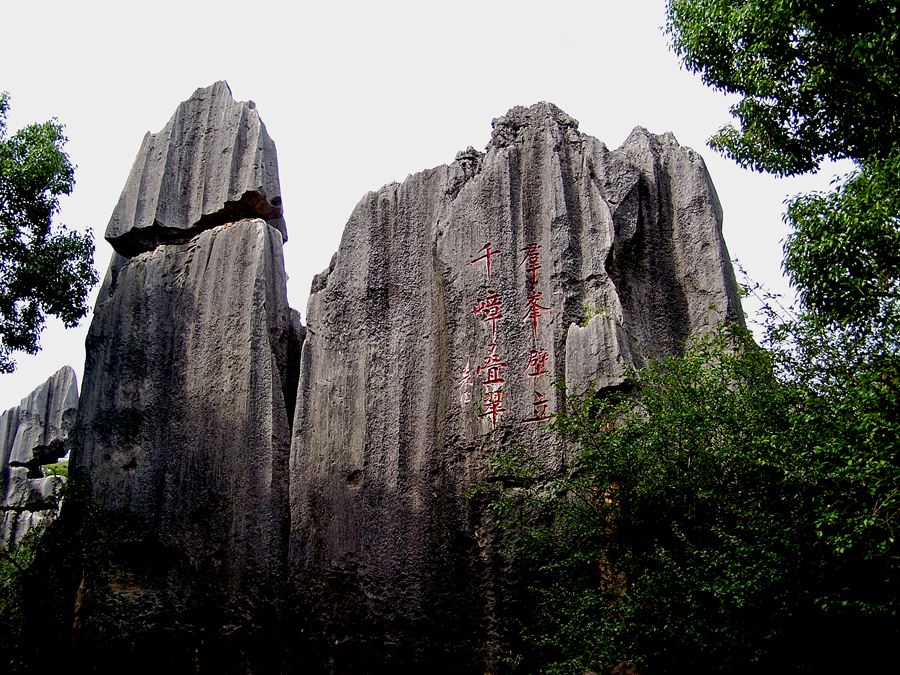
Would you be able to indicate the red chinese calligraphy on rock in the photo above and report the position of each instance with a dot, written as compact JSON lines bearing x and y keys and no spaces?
{"x":489,"y":309}
{"x":537,"y":363}
{"x":540,"y":416}
{"x":493,"y":403}
{"x":487,"y":253}
{"x":535,"y":309}
{"x":492,"y":365}
{"x":532,"y":260}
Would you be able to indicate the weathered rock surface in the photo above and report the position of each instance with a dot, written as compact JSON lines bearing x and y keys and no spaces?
{"x":212,"y":163}
{"x":28,"y":503}
{"x":190,"y":381}
{"x":34,"y":433}
{"x":455,"y":302}
{"x":183,"y":419}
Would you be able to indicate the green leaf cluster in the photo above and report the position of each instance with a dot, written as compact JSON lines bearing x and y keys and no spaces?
{"x":844,"y":251}
{"x":14,"y":564}
{"x":44,"y":268}
{"x":816,"y":78}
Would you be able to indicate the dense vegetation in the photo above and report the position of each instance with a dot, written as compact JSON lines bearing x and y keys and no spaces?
{"x":734,"y":509}
{"x":45,"y":269}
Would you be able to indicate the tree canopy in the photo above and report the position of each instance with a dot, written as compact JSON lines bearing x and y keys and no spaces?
{"x":45,"y":269}
{"x":734,"y":511}
{"x":818,"y":78}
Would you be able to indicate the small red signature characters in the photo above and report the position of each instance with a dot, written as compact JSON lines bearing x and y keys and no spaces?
{"x":535,"y":309}
{"x":490,"y":309}
{"x":492,"y":365}
{"x":540,"y":416}
{"x":532,"y":260}
{"x":464,"y":386}
{"x":487,"y":253}
{"x":493,"y":403}
{"x":537,"y":363}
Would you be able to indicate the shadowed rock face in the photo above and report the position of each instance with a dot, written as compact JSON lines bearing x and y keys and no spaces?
{"x":190,"y":383}
{"x":34,"y":433}
{"x":183,"y":419}
{"x":455,"y":302}
{"x":213,"y":163}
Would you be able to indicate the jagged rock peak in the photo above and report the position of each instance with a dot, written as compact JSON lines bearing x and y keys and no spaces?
{"x":212,"y":163}
{"x":511,"y":127}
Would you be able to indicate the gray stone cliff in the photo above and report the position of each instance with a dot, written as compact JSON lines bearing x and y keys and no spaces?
{"x":33,"y":434}
{"x":190,"y":378}
{"x":456,"y":302}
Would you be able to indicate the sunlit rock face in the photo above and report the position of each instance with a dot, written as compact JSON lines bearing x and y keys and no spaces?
{"x":32,"y":435}
{"x":457,"y":302}
{"x":189,"y":386}
{"x":212,"y":163}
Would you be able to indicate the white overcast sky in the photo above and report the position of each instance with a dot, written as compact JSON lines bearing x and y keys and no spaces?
{"x":355,"y":95}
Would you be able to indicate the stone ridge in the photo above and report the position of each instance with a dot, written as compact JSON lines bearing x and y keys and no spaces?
{"x":35,"y":432}
{"x":212,"y":163}
{"x":508,"y":129}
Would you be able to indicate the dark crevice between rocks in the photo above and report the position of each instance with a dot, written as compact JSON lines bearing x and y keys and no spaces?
{"x":252,"y":204}
{"x":296,"y":336}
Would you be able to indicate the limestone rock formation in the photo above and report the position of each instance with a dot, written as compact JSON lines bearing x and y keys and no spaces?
{"x":213,"y":163}
{"x":230,"y":449}
{"x":190,"y":380}
{"x":455,"y":303}
{"x":33,"y":434}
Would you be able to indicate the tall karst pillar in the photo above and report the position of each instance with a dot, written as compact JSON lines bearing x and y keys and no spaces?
{"x":456,"y":301}
{"x":184,"y":421}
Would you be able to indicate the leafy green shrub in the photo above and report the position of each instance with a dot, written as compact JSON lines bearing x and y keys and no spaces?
{"x":57,"y":469}
{"x":730,"y":512}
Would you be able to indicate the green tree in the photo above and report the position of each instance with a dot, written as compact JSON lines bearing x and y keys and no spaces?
{"x":45,"y":269}
{"x":816,"y":79}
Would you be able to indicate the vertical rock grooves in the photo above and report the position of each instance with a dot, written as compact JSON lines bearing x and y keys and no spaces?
{"x":190,"y":384}
{"x":213,"y":163}
{"x":598,"y":259}
{"x":33,"y":434}
{"x":252,"y":459}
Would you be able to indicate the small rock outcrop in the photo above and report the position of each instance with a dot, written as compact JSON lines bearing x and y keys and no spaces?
{"x":190,"y":381}
{"x":457,"y":301}
{"x":213,"y":163}
{"x":33,"y":434}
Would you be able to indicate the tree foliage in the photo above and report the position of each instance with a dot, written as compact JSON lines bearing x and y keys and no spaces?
{"x":45,"y":269}
{"x":733,"y":511}
{"x":818,"y":78}
{"x":844,"y":251}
